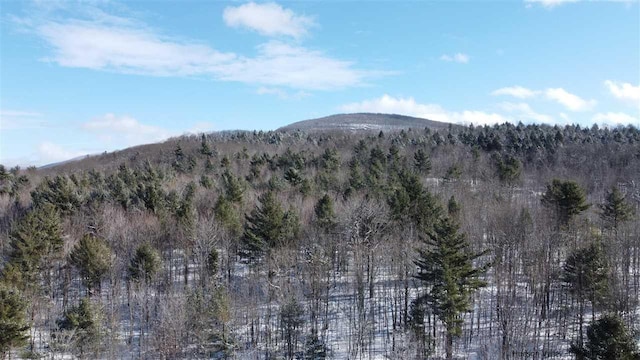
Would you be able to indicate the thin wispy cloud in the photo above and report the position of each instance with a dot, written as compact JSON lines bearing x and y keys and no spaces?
{"x":49,"y":152}
{"x":459,"y":58}
{"x":570,"y":101}
{"x":135,"y":49}
{"x":20,"y":119}
{"x":269,"y":19}
{"x":124,"y":129}
{"x":549,"y":4}
{"x":615,"y":118}
{"x":515,"y":91}
{"x":561,"y":96}
{"x":523,"y":112}
{"x":410,"y":107}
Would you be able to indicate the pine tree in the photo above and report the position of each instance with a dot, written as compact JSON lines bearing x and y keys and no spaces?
{"x":421,"y":162}
{"x":325,"y":216}
{"x":13,"y":325}
{"x":268,"y":226}
{"x":84,"y":322}
{"x":615,"y":210}
{"x":607,"y":339}
{"x":35,"y":240}
{"x":446,"y":269}
{"x":92,"y":257}
{"x":144,"y":264}
{"x":585,"y":276}
{"x":566,"y":198}
{"x":204,"y":146}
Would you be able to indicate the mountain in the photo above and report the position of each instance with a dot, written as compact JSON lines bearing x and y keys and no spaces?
{"x":366,"y":121}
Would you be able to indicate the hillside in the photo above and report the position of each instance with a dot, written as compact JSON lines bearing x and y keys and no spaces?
{"x":307,"y":245}
{"x":365,"y":121}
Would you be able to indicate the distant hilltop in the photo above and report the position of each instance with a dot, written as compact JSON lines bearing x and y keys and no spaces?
{"x":365,"y":121}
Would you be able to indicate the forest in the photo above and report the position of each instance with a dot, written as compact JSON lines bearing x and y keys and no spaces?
{"x":510,"y":241}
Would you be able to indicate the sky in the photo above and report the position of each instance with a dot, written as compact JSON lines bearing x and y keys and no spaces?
{"x":84,"y":77}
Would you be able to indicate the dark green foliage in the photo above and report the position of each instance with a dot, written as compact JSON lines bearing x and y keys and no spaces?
{"x":446,"y":268}
{"x":213,"y":260}
{"x":84,"y":321}
{"x":92,"y":257}
{"x":421,"y":162}
{"x":330,"y":160}
{"x":325,"y":216}
{"x":509,"y":169}
{"x":356,"y":178}
{"x":607,"y":339}
{"x":13,"y":324}
{"x":454,"y":172}
{"x":206,"y":182}
{"x":566,"y":198}
{"x":453,"y":208}
{"x":293,"y":176}
{"x":585,"y":273}
{"x":12,"y":182}
{"x":615,"y":210}
{"x":35,"y":240}
{"x":227,"y":215}
{"x":144,"y":264}
{"x":60,"y":192}
{"x":268,"y":226}
{"x":234,"y":187}
{"x":409,"y":201}
{"x":204,"y":146}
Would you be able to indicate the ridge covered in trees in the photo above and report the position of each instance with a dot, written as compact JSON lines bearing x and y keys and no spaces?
{"x":503,"y":242}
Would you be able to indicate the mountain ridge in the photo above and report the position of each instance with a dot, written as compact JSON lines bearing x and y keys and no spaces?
{"x":365,"y":121}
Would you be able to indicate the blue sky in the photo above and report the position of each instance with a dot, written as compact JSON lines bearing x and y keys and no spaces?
{"x":83,"y":77}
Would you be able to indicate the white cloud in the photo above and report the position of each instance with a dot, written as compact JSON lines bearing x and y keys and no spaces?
{"x":282,"y":94}
{"x":268,"y":19}
{"x":49,"y":152}
{"x":624,"y":91}
{"x":18,"y":119}
{"x":460,"y":58}
{"x":550,"y":3}
{"x":570,"y":101}
{"x":515,"y":91}
{"x":408,"y":106}
{"x":615,"y":118}
{"x":124,"y":129}
{"x":523,"y":112}
{"x":138,"y":50}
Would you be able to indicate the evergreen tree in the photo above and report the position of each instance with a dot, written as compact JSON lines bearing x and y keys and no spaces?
{"x":585,"y":276}
{"x":566,"y":198}
{"x":509,"y":168}
{"x":325,"y":216}
{"x":446,"y":268}
{"x":268,"y":226}
{"x":615,"y":210}
{"x":84,"y":321}
{"x":607,"y":339}
{"x":35,"y":240}
{"x":144,"y":264}
{"x":233,"y":186}
{"x":92,"y":257}
{"x":204,"y":146}
{"x":13,"y":325}
{"x":421,"y":162}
